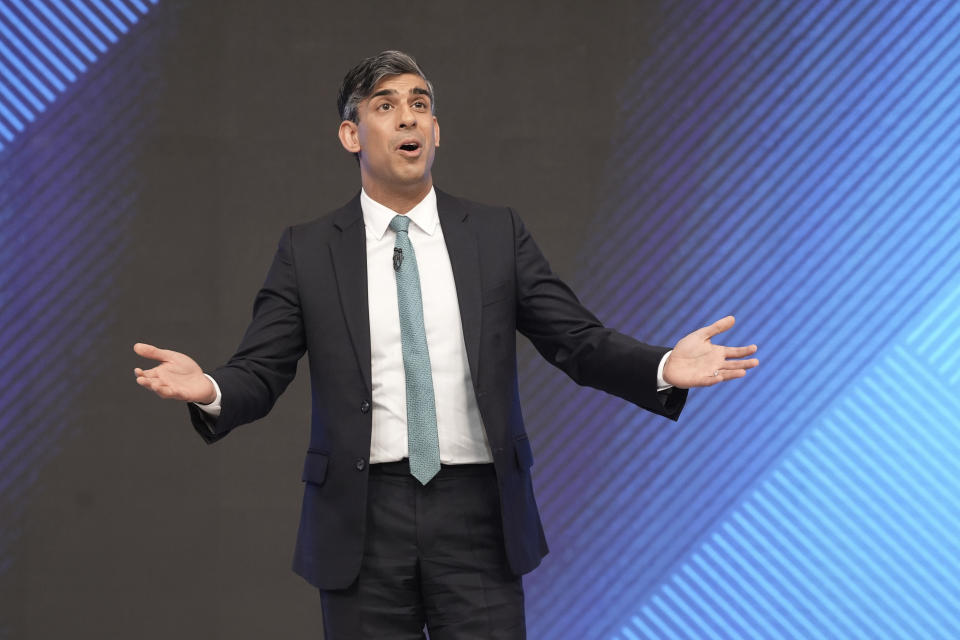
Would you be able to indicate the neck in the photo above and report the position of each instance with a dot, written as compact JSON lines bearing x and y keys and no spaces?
{"x":401,"y":199}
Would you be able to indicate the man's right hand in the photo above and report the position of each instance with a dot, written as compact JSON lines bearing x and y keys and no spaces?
{"x":177,"y":376}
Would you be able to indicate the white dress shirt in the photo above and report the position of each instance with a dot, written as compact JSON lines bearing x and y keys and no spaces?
{"x":459,"y":426}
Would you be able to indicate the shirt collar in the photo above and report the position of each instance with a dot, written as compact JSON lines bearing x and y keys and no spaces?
{"x":377,"y":217}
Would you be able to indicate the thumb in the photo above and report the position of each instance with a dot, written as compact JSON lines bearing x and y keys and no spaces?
{"x":721,"y":325}
{"x":150,"y":351}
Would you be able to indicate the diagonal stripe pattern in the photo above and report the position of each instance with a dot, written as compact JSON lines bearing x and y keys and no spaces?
{"x":66,"y":195}
{"x":46,"y":45}
{"x":853,"y":534}
{"x":796,"y":164}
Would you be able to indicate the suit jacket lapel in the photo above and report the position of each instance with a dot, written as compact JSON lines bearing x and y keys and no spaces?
{"x":465,"y":261}
{"x":349,"y":255}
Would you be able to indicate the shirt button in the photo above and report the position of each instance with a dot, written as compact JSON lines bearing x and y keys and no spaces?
{"x":360,"y":464}
{"x":364,"y":407}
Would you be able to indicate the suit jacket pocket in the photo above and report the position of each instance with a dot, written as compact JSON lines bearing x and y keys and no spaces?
{"x":315,"y":467}
{"x":524,"y":453}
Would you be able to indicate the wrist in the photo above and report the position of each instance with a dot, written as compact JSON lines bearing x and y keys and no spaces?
{"x":211,"y":394}
{"x":662,"y":383}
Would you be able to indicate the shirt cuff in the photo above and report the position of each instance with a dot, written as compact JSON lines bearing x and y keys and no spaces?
{"x":662,"y":385}
{"x":214,"y":407}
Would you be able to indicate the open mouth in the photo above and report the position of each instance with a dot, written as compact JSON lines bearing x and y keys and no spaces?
{"x":409,"y":146}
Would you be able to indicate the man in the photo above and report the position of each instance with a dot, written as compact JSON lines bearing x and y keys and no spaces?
{"x":418,"y":506}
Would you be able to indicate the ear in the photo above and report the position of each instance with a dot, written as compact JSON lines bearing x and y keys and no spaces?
{"x":349,"y":136}
{"x":436,"y":132}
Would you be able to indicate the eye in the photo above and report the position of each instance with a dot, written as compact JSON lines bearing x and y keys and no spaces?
{"x":420,"y":104}
{"x":384,"y":106}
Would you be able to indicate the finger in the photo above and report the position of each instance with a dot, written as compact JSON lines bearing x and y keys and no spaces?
{"x":152,"y":352}
{"x":165,"y":392}
{"x":715,"y":379}
{"x":730,"y":365}
{"x":723,"y":375}
{"x":161,"y":389}
{"x":721,"y":325}
{"x":148,"y":382}
{"x":151,"y":383}
{"x":143,"y":349}
{"x":739,"y":352}
{"x":731,"y":374}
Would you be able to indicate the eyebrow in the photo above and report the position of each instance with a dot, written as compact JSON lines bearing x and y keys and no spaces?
{"x":387,"y":92}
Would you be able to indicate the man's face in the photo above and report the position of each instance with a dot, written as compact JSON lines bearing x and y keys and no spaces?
{"x":396,"y":136}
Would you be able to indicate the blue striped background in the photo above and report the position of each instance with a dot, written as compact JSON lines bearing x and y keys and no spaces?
{"x":45,"y":45}
{"x":68,"y":135}
{"x":795,"y":164}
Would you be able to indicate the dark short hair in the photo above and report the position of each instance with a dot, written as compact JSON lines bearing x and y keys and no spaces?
{"x":359,"y":82}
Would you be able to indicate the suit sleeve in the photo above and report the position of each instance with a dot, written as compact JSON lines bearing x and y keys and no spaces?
{"x":571,"y":338}
{"x":266,"y":360}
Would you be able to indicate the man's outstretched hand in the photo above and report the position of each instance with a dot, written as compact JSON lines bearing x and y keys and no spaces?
{"x":177,"y":376}
{"x":697,"y":362}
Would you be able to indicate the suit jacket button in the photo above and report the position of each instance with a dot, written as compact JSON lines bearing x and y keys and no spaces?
{"x":360,"y":464}
{"x":364,"y":407}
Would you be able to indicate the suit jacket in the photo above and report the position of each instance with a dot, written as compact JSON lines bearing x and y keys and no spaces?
{"x":314,"y":300}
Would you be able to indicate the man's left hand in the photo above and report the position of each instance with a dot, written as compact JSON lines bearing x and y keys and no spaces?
{"x":697,"y":362}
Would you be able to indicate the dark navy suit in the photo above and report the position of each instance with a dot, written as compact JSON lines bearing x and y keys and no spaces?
{"x":314,"y":300}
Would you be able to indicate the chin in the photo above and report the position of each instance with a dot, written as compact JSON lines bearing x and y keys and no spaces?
{"x":416,"y":175}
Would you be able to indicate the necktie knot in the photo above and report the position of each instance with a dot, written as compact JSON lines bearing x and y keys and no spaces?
{"x":400,"y":224}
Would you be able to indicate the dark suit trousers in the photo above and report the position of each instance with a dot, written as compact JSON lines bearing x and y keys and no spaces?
{"x":434,"y":557}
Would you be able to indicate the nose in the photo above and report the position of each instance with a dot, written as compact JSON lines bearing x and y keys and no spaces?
{"x":407,"y":118}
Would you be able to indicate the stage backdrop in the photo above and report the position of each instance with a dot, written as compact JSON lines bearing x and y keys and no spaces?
{"x":796,"y":164}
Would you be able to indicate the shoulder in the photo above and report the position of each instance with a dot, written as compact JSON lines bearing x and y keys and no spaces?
{"x":331,"y":223}
{"x":485,"y":219}
{"x":454,"y":203}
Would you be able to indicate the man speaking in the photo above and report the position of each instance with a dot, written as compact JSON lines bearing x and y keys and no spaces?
{"x":418,"y":507}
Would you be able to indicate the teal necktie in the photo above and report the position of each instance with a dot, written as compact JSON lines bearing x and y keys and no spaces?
{"x":422,"y":441}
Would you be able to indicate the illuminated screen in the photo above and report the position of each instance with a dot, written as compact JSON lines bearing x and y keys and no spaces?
{"x":794,"y":163}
